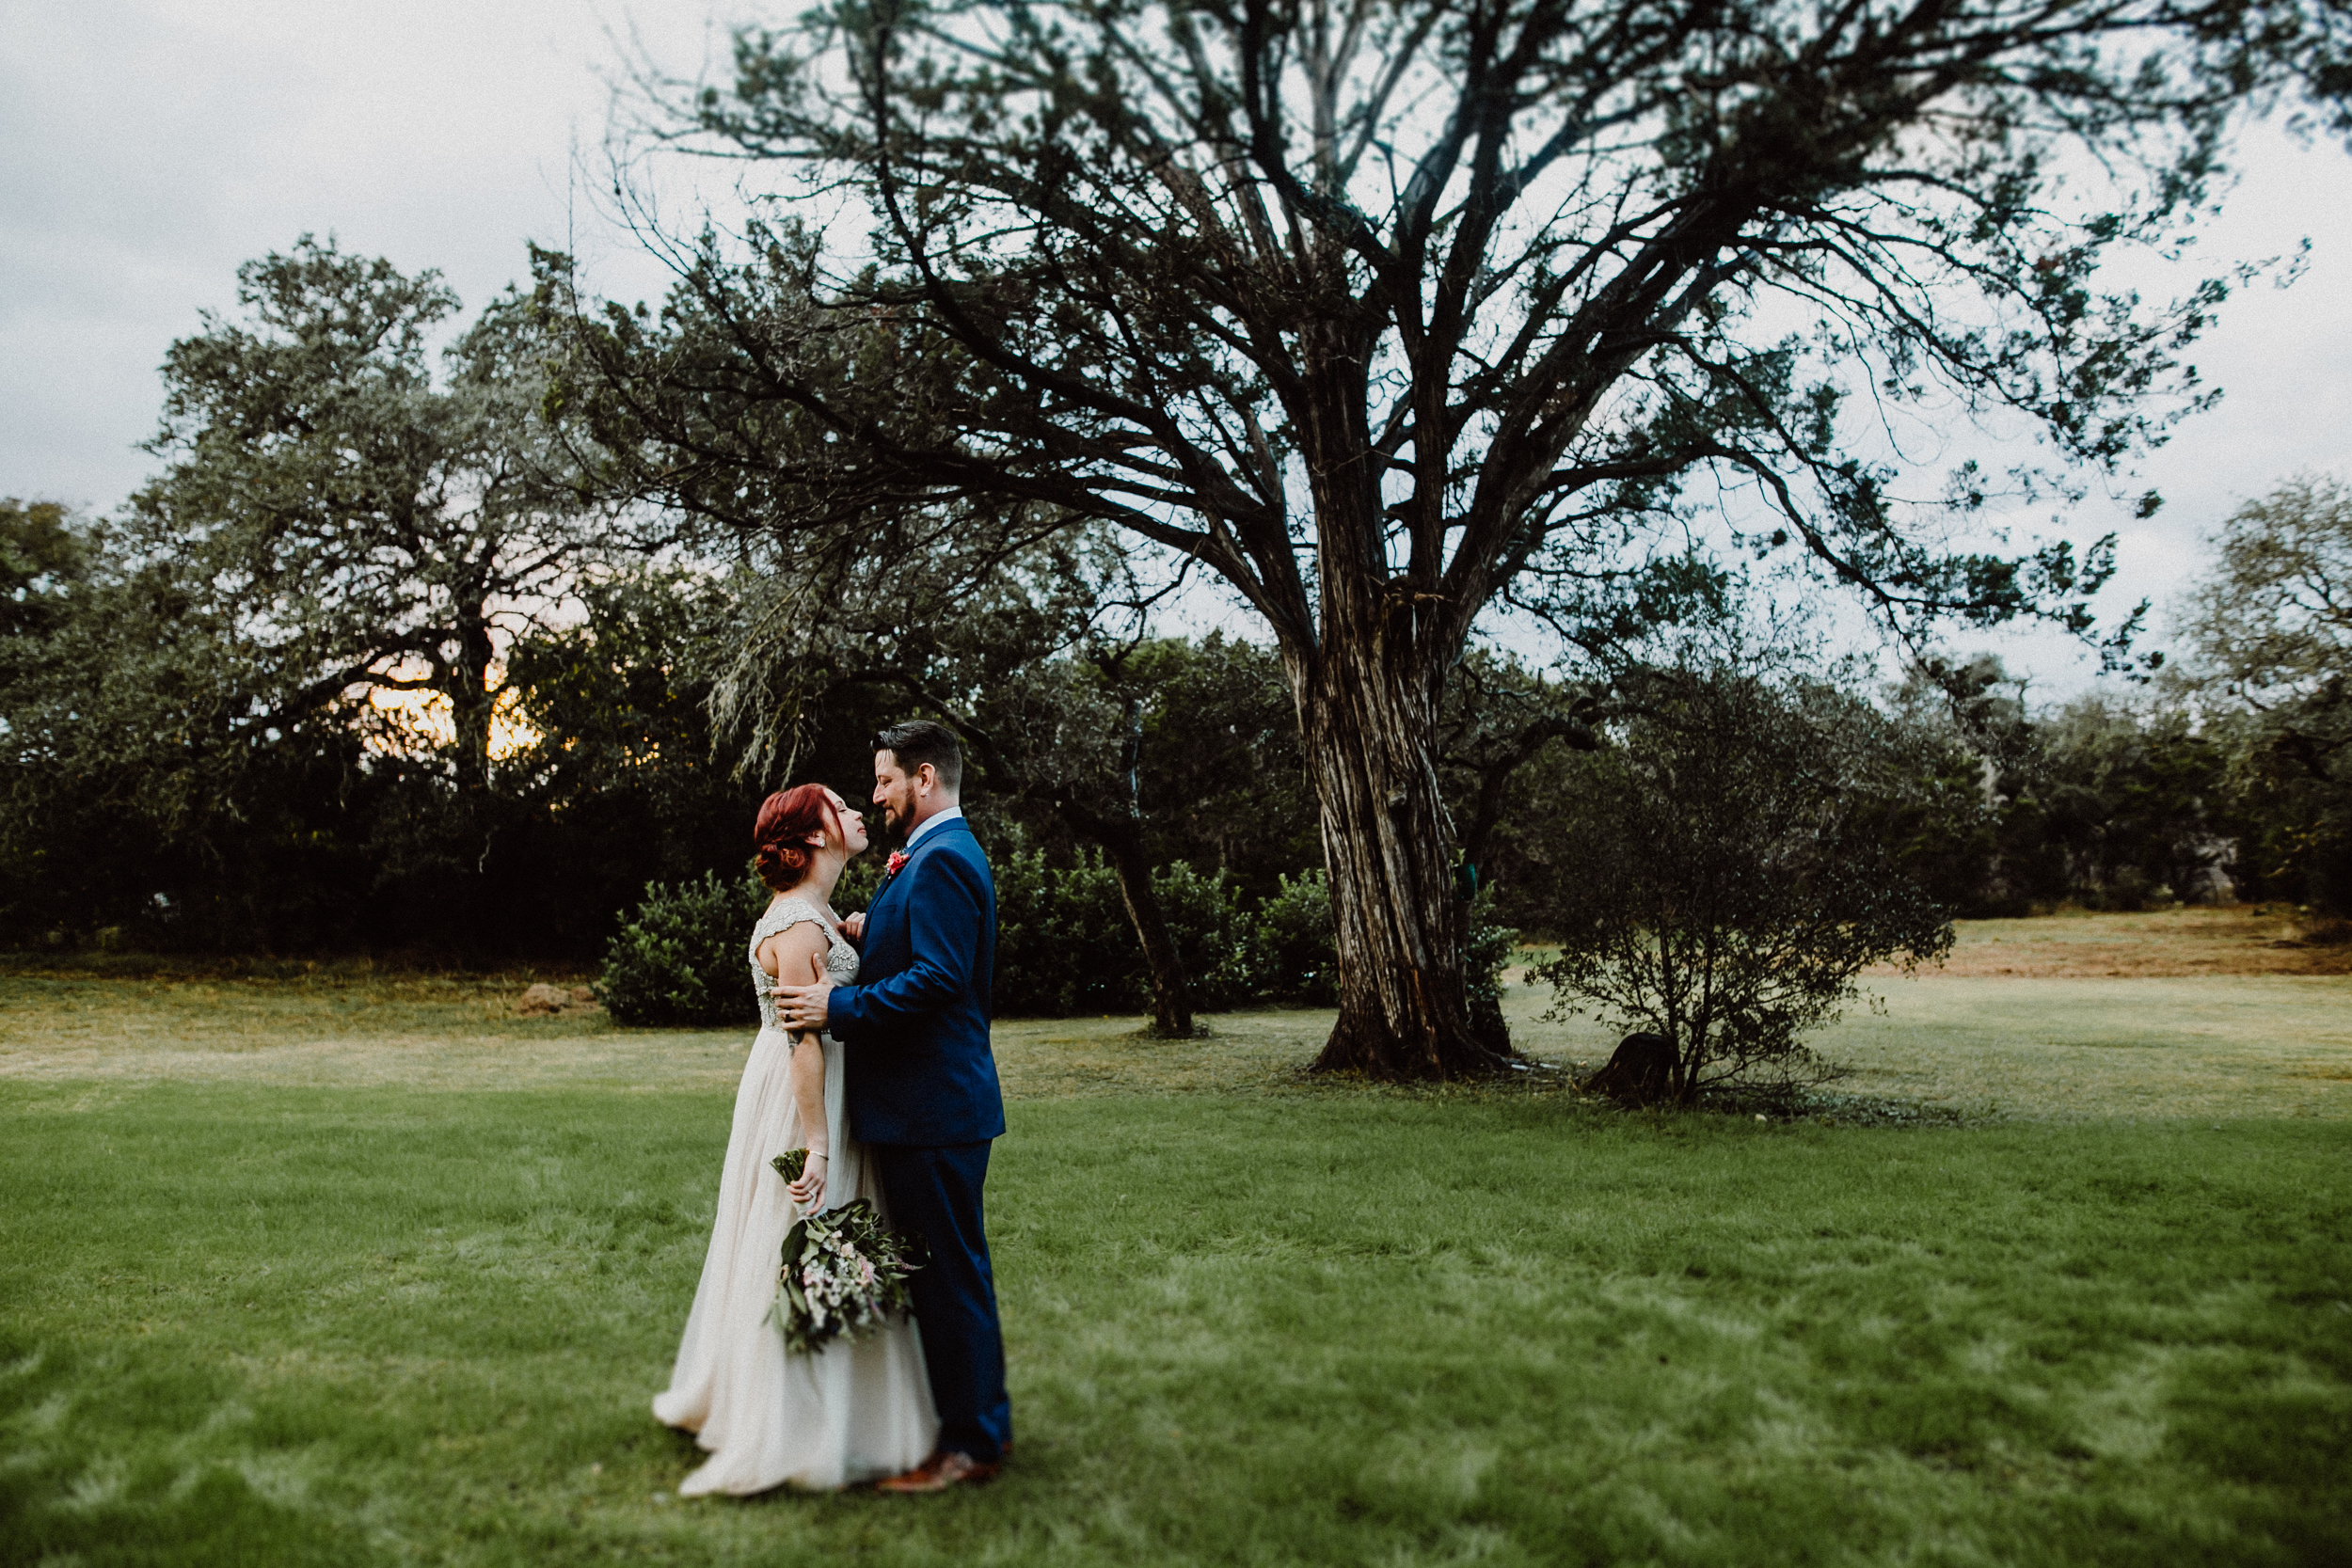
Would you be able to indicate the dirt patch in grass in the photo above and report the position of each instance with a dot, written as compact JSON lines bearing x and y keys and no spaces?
{"x":2160,"y":945}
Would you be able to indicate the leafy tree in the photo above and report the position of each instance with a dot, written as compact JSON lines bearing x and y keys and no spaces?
{"x":2270,"y":632}
{"x":357,"y":528}
{"x":47,"y":566}
{"x":1498,"y":718}
{"x":1389,"y":314}
{"x":139,"y":790}
{"x":1222,"y":781}
{"x":1725,"y":874}
{"x":42,"y":558}
{"x":617,"y":776}
{"x":1164,"y":753}
{"x":2120,"y":805}
{"x":1011,"y":623}
{"x":1009,"y":650}
{"x":367,"y":527}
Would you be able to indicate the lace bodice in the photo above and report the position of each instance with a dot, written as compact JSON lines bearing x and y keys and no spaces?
{"x":840,"y":957}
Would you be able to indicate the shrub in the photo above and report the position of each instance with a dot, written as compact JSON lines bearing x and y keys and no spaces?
{"x":1487,"y":949}
{"x":1212,"y":936}
{"x":681,"y":960}
{"x":1297,"y":952}
{"x":1064,"y":945}
{"x":1729,"y":878}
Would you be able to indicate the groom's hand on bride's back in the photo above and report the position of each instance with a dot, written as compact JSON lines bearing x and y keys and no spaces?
{"x":800,"y":1009}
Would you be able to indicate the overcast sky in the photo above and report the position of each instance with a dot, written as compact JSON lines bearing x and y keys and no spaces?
{"x":150,"y":147}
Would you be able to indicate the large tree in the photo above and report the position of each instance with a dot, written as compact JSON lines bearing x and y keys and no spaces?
{"x":364,"y":524}
{"x":2271,"y":634}
{"x":1389,"y":312}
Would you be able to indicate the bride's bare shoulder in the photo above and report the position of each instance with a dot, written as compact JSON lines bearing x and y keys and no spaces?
{"x":794,"y":938}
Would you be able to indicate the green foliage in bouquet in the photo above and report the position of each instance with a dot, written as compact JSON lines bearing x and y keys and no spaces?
{"x":682,"y":959}
{"x":842,"y":1272}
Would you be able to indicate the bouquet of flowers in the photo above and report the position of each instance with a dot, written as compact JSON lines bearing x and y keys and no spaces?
{"x":844,"y":1271}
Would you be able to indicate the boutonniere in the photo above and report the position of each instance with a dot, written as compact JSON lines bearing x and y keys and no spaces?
{"x":897,"y":863}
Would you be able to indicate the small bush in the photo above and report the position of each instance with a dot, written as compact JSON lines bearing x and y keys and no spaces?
{"x":1487,"y":950}
{"x":1297,"y":952}
{"x":681,"y":960}
{"x":1212,"y":936}
{"x":1729,"y":879}
{"x":1064,"y":944}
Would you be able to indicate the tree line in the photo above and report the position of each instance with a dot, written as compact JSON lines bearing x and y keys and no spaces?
{"x":201,"y":752}
{"x":180,"y":773}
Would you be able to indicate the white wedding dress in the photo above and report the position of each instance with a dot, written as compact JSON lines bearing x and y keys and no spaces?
{"x":857,"y":1410}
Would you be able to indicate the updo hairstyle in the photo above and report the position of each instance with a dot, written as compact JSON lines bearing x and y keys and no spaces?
{"x":780,"y":847}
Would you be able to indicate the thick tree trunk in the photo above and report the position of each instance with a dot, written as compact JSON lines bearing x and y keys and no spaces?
{"x":1367,"y":690}
{"x":1370,"y":723}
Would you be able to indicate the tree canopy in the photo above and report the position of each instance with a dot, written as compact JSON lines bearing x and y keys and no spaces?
{"x":364,"y":525}
{"x":2271,"y":634}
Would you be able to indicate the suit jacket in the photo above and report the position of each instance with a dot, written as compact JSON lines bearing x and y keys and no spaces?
{"x":914,"y":1028}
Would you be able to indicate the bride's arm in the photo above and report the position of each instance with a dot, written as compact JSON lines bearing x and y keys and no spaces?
{"x":799,"y":956}
{"x":806,"y":1080}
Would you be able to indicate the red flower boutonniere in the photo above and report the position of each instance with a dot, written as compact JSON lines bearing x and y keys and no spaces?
{"x":897,"y":863}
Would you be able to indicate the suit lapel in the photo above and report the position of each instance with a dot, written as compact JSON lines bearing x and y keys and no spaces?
{"x":892,"y":887}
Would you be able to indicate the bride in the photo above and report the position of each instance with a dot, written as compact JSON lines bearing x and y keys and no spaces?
{"x":858,"y":1409}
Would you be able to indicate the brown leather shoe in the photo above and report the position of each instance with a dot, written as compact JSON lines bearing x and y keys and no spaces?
{"x":940,"y":1471}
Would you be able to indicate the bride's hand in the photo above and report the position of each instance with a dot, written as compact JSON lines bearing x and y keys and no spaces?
{"x":809,"y":1191}
{"x":854,"y":927}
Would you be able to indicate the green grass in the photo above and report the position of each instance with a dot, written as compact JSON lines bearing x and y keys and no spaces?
{"x":2212,"y":1047}
{"x":252,"y":1321}
{"x":2215,"y":1047}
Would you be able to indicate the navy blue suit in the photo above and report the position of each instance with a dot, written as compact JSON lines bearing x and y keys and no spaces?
{"x":920,"y":1087}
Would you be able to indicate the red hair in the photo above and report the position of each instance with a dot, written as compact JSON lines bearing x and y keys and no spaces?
{"x":780,"y":835}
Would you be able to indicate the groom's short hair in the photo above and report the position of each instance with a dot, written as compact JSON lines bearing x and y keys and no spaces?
{"x":919,"y":741}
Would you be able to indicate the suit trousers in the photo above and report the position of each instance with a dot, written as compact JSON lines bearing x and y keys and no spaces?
{"x":934,"y":1194}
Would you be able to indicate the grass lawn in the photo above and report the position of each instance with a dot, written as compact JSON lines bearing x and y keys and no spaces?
{"x":310,"y":1270}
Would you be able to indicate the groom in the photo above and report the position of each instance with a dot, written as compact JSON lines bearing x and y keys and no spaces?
{"x":921,"y":1084}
